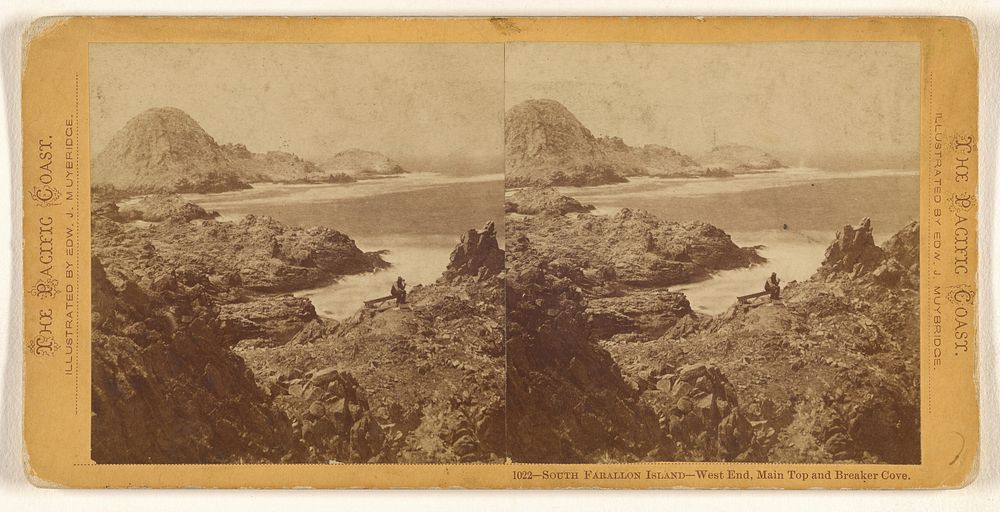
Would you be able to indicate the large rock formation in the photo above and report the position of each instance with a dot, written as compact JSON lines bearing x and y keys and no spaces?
{"x":737,"y":157}
{"x":278,"y":167}
{"x":165,"y":150}
{"x":650,"y":159}
{"x":545,"y":145}
{"x":362,"y":164}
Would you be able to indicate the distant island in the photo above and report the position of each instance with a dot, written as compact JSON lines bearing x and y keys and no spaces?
{"x":164,"y":150}
{"x":546,"y":145}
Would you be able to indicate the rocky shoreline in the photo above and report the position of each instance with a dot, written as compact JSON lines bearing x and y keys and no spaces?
{"x":570,"y":346}
{"x":607,"y":365}
{"x":193,"y":325}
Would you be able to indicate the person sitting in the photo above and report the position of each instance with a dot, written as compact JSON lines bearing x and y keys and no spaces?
{"x":773,"y":286}
{"x":399,"y":290}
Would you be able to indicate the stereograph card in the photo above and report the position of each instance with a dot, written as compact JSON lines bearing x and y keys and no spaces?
{"x":500,"y":253}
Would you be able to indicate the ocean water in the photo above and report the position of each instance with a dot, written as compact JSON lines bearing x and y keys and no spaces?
{"x":417,"y":219}
{"x":793,"y":214}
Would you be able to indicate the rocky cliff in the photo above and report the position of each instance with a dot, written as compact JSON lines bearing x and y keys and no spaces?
{"x":737,"y":157}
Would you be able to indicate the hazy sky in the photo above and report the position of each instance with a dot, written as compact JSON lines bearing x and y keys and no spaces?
{"x":853,"y":104}
{"x":417,"y":103}
{"x":441,"y":105}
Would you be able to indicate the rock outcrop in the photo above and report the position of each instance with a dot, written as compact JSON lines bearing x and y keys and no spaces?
{"x":650,"y":159}
{"x":361,"y":164}
{"x":737,"y":157}
{"x":158,"y":208}
{"x":259,"y":253}
{"x":478,"y":255}
{"x":278,"y":167}
{"x":634,"y":247}
{"x":854,"y":251}
{"x":532,"y":201}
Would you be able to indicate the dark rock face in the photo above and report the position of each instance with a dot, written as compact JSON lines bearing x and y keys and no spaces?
{"x":699,"y":409}
{"x":329,"y":413}
{"x":166,"y":388}
{"x":170,"y":299}
{"x":477,"y":255}
{"x":266,"y":321}
{"x":567,"y":401}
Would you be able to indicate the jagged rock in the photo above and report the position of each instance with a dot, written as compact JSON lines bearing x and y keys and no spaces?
{"x":477,"y":255}
{"x":170,"y":392}
{"x":854,"y":251}
{"x":701,"y":410}
{"x":567,"y":401}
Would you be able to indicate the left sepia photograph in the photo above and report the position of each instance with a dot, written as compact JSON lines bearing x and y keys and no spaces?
{"x":297,"y":253}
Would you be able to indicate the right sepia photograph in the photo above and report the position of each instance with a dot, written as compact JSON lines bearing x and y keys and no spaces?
{"x":712,"y":252}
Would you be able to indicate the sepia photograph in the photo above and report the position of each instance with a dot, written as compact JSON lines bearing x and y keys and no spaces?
{"x":713,"y":252}
{"x":297,"y":253}
{"x":525,"y":253}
